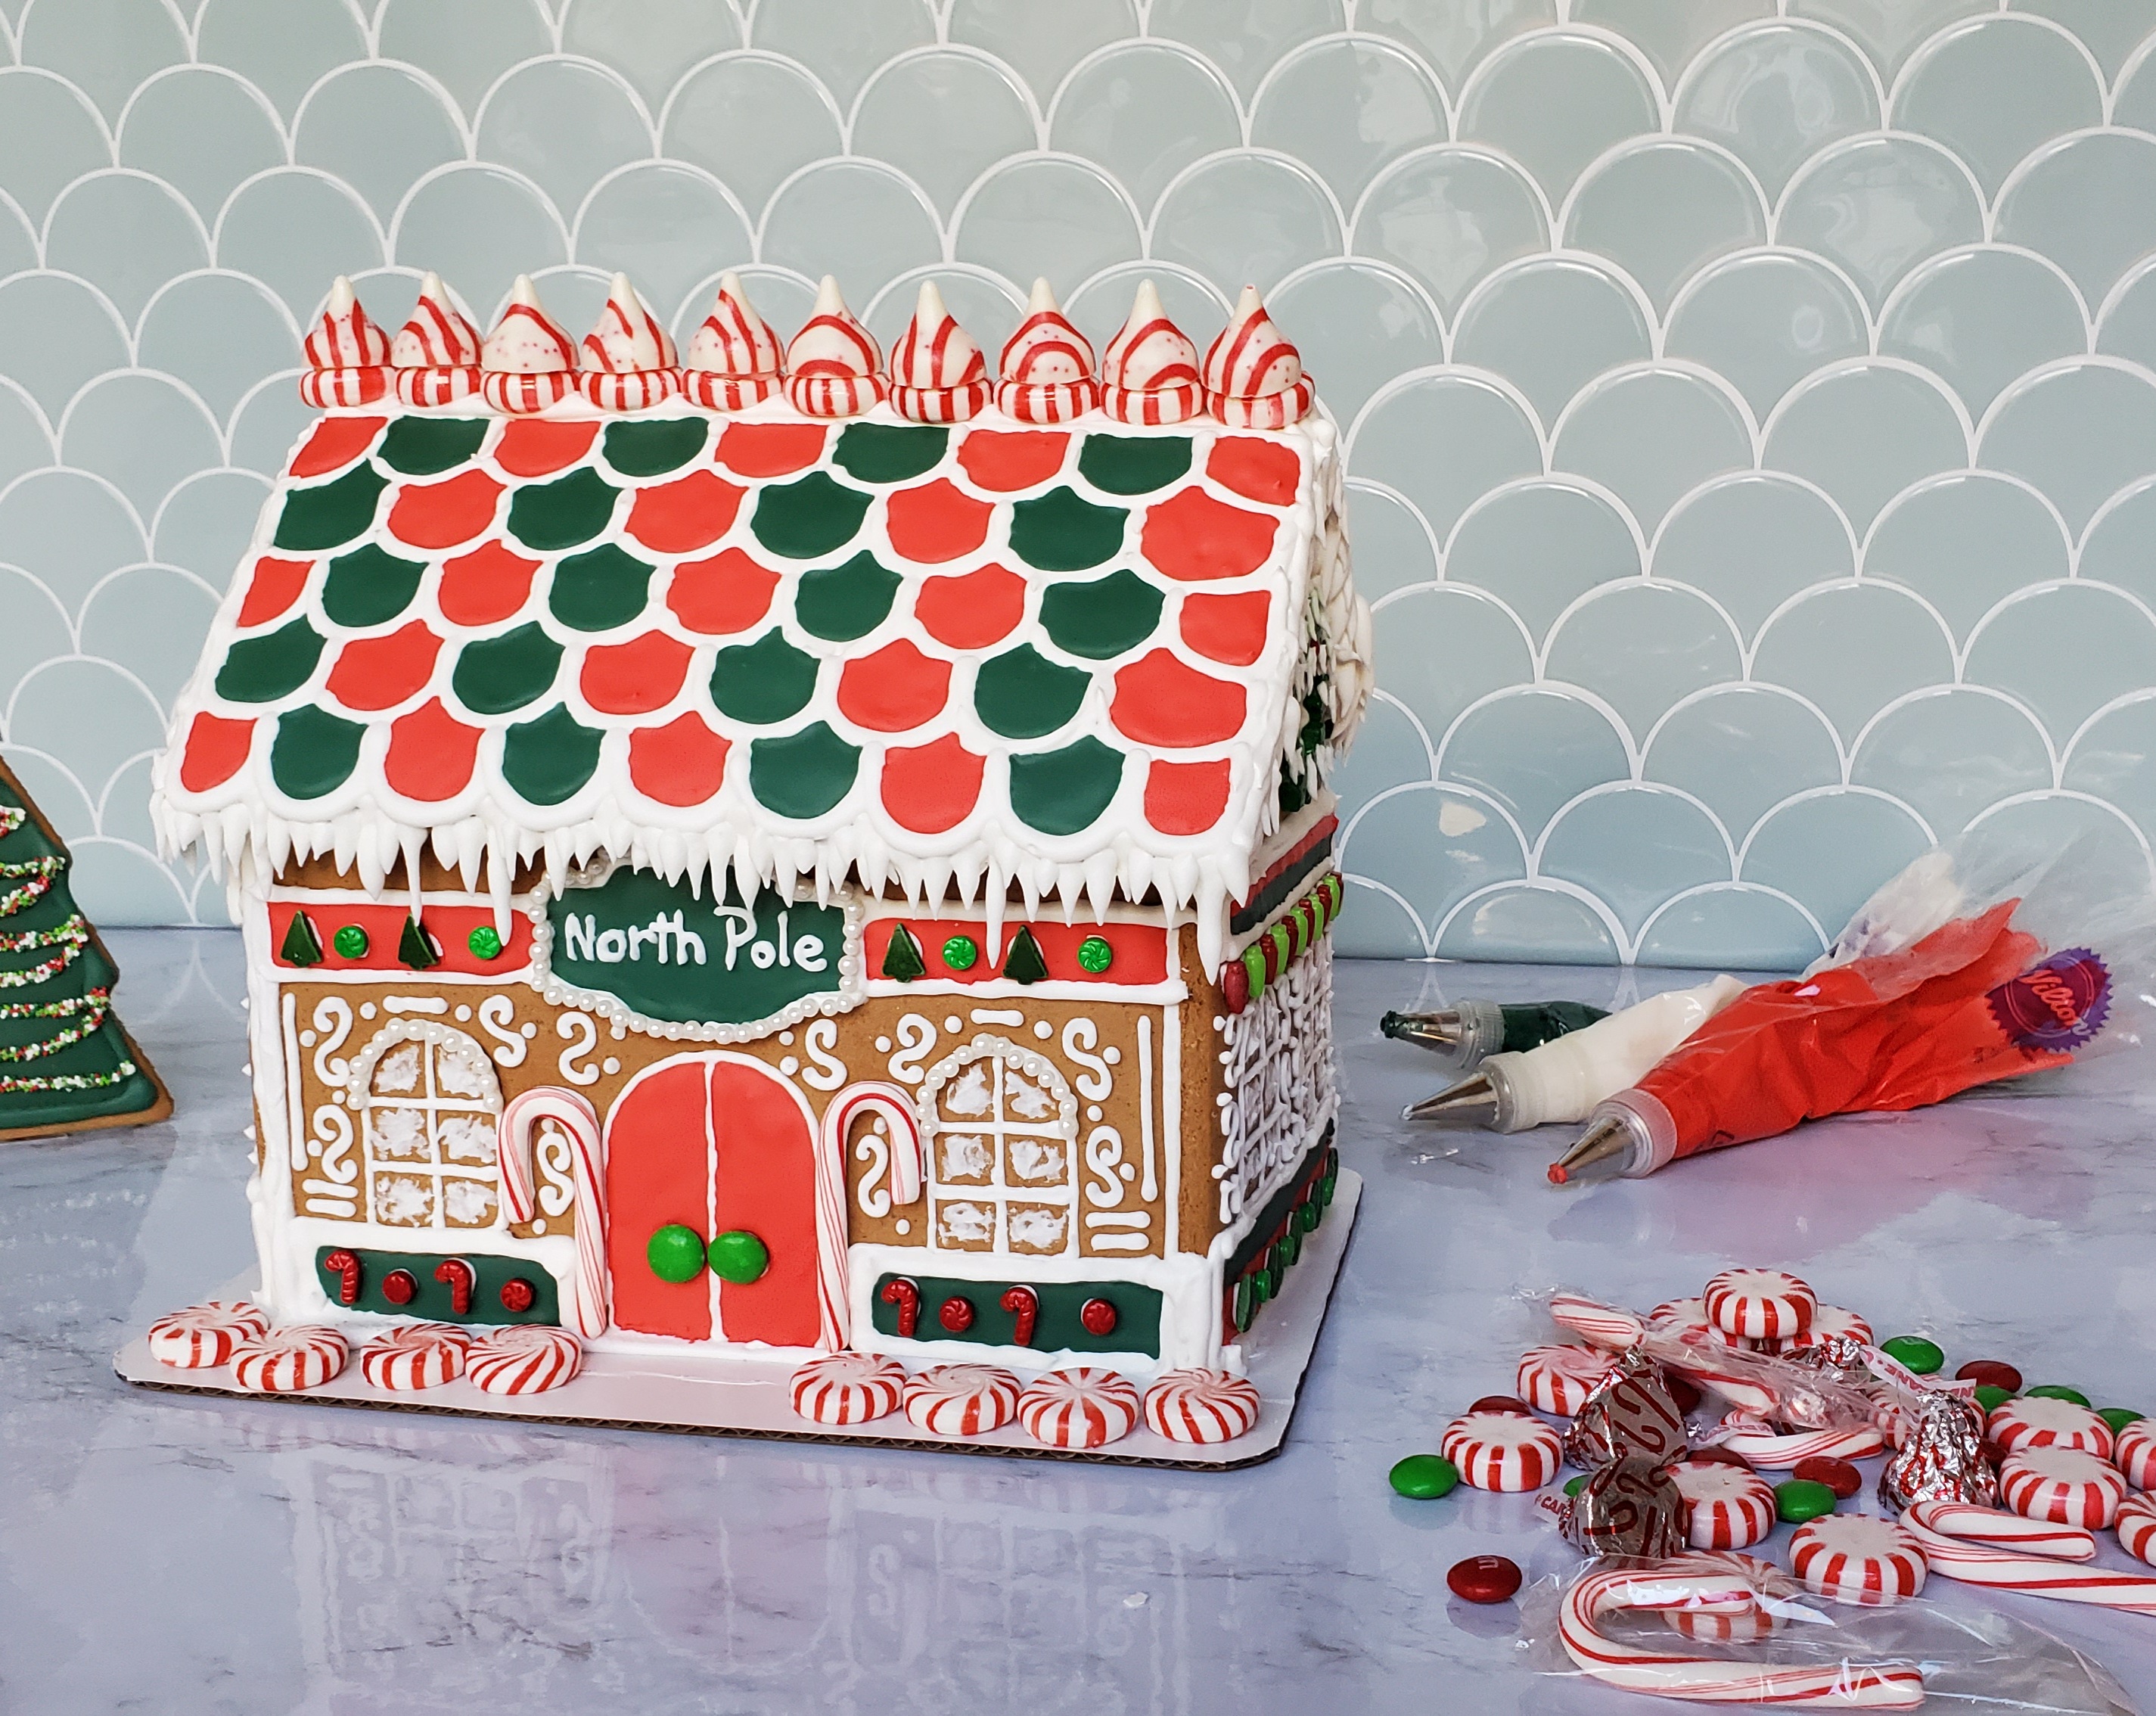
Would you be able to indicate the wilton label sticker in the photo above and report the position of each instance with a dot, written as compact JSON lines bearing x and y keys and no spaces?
{"x":2057,"y":1005}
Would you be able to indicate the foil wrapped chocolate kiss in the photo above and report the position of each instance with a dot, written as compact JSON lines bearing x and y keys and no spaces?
{"x":1942,"y":1460}
{"x":1624,"y":1435}
{"x":1630,"y":1506}
{"x":1629,"y":1415}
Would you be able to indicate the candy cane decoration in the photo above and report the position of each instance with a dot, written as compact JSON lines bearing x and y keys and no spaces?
{"x":895,"y":1104}
{"x":346,"y":1267}
{"x":903,"y":1293}
{"x":2037,"y":1575}
{"x":1605,"y":1326}
{"x":1023,"y":1305}
{"x":1759,"y":1444}
{"x":2006,"y":1531}
{"x":456,"y":1274}
{"x":589,"y":1307}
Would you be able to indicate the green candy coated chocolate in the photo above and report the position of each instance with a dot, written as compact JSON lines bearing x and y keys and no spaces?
{"x":2057,"y":1391}
{"x":960,"y":953}
{"x":2118,"y":1417}
{"x":350,"y":941}
{"x":676,"y":1253}
{"x":484,"y":942}
{"x":740,"y":1257}
{"x":1991,"y":1398}
{"x":1922,"y":1356}
{"x":1573,"y":1486}
{"x":1095,"y":954}
{"x":1800,"y":1499}
{"x":1423,"y":1478}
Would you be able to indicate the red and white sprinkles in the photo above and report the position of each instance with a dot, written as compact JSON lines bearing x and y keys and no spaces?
{"x":1559,"y":1379}
{"x":2039,"y":1421}
{"x":415,"y":1355}
{"x":2064,"y":1486}
{"x":2134,"y":1453}
{"x":1854,"y":1559}
{"x":1502,"y":1451}
{"x":1760,"y":1304}
{"x":1726,"y":1506}
{"x":1079,"y":1408}
{"x":2137,"y":1527}
{"x":962,"y":1400}
{"x":1760,"y":1444}
{"x":283,"y":1361}
{"x":1988,"y":1525}
{"x":848,"y":1388}
{"x":523,"y":1358}
{"x":2038,"y":1576}
{"x":1203,"y":1406}
{"x":203,"y":1336}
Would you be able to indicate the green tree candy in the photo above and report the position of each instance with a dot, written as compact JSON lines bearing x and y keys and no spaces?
{"x":1800,"y":1499}
{"x":1920,"y":1355}
{"x":1423,"y":1478}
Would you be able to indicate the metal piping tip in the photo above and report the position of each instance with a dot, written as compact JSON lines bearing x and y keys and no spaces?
{"x":1472,"y":1101}
{"x":1604,"y":1139}
{"x":1442,"y":1030}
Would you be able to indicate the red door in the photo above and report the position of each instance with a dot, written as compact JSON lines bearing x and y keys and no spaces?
{"x":718,"y":1143}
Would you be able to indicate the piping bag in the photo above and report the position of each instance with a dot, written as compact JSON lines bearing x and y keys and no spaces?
{"x":1471,"y":1032}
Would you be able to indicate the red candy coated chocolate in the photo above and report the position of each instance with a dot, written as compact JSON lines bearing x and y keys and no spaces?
{"x":1991,"y":1373}
{"x":1682,"y":1392}
{"x":1502,"y":1402}
{"x":1484,"y":1579}
{"x":1843,"y":1479}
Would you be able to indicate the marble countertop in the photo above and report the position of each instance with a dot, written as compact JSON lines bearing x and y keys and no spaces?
{"x":183,"y":1554}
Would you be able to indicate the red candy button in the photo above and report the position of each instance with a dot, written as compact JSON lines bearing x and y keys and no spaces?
{"x":1484,"y":1579}
{"x":1843,"y":1479}
{"x":1502,"y":1402}
{"x":1991,"y":1373}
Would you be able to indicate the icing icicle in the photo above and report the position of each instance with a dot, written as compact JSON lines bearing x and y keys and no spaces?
{"x":832,"y":364}
{"x":1048,"y":366}
{"x":528,"y":360}
{"x":346,"y":353}
{"x":1150,"y":373}
{"x":733,"y":359}
{"x":938,"y":374}
{"x":436,"y":353}
{"x":1253,"y":378}
{"x":628,"y":358}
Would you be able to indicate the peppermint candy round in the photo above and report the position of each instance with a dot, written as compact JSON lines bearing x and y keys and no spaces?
{"x":1558,"y":1378}
{"x":1677,"y":1315}
{"x":2133,"y":1451}
{"x":415,"y":1355}
{"x":283,"y":1361}
{"x":1760,"y":1304}
{"x":848,"y":1388}
{"x":1084,"y":1407}
{"x":1760,"y":1444}
{"x":2065,"y":1486}
{"x":962,"y":1400}
{"x":203,"y":1336}
{"x":1722,"y":1625}
{"x":1502,"y":1451}
{"x":1971,"y":1523}
{"x":2137,"y":1527}
{"x":1827,"y":1320}
{"x":2039,"y":1421}
{"x":1726,"y":1506}
{"x":1854,"y":1559}
{"x":1203,"y":1406}
{"x":523,"y":1358}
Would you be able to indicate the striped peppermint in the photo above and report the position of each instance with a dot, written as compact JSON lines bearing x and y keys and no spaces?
{"x":2133,"y":1451}
{"x":523,"y":1358}
{"x":1760,"y":1304}
{"x":1149,"y":373}
{"x":962,"y":1400}
{"x":2010,"y":1531}
{"x":834,"y":366}
{"x":342,"y":337}
{"x":1854,"y":1559}
{"x":283,"y":1361}
{"x":1827,"y":1320}
{"x":341,"y":389}
{"x":938,"y":374}
{"x":1083,"y":1407}
{"x":1201,"y":1406}
{"x":1253,"y":378}
{"x":1726,"y":1506}
{"x":1502,"y":1451}
{"x":2062,"y":1485}
{"x":1047,"y":365}
{"x":415,"y":1355}
{"x":1558,"y":1378}
{"x":2039,"y":1421}
{"x":848,"y":1388}
{"x":439,"y":387}
{"x":204,"y":1336}
{"x":2137,"y":1527}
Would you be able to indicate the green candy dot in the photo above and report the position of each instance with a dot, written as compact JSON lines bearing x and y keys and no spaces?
{"x":484,"y":942}
{"x":1423,"y":1478}
{"x":1922,"y":1356}
{"x":1800,"y":1499}
{"x":2057,"y":1391}
{"x":676,"y":1253}
{"x":961,"y":952}
{"x":350,"y":941}
{"x":2118,"y":1417}
{"x":1573,"y":1486}
{"x":1991,"y":1398}
{"x":739,"y":1257}
{"x":1095,"y":954}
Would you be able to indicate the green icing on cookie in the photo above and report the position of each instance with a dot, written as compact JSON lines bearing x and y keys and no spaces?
{"x":1057,"y":531}
{"x":901,"y":956}
{"x":427,"y":446}
{"x":807,"y":518}
{"x":330,"y":514}
{"x":1063,"y":792}
{"x":654,"y":448}
{"x":370,"y":586}
{"x":1101,"y":619}
{"x":549,"y":760}
{"x":847,"y":601}
{"x":415,"y":948}
{"x":302,"y":945}
{"x":1133,"y":464}
{"x":762,"y":683}
{"x":804,"y":774}
{"x":600,"y":588}
{"x":1025,"y":961}
{"x":565,"y":513}
{"x":313,"y":753}
{"x":1021,"y":694}
{"x":882,"y":453}
{"x":497,"y":675}
{"x":262,"y":670}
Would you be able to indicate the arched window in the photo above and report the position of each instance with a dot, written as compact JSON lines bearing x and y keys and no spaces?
{"x":999,"y":1131}
{"x":427,"y":1099}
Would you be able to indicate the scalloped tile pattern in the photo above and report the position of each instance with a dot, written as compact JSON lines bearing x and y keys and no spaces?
{"x":1751,"y":403}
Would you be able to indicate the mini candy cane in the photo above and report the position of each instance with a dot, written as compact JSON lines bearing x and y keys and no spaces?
{"x":2137,"y":1527}
{"x":456,"y":1274}
{"x":1023,"y":1305}
{"x":1760,"y":1304}
{"x":1854,"y":1558}
{"x":1979,"y":1564}
{"x":346,"y":1267}
{"x":1710,"y":1584}
{"x":2134,"y":1453}
{"x":2063,"y":1486}
{"x":589,"y":1308}
{"x":1760,"y":1446}
{"x":2010,"y":1531}
{"x":907,"y":1296}
{"x":1602,"y":1326}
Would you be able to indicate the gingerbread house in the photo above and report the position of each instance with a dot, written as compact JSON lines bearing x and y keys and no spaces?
{"x":764,"y":852}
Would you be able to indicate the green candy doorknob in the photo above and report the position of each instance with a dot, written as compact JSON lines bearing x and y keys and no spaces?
{"x":675,"y":1253}
{"x":739,"y":1257}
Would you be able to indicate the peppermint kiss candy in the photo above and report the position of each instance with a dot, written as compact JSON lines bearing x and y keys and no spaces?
{"x":1760,"y":1446}
{"x":1598,"y":1325}
{"x":2062,"y":1485}
{"x":1502,"y":1451}
{"x":1988,"y":1525}
{"x":1726,"y":1506}
{"x":962,"y":1400}
{"x":203,"y":1336}
{"x":2134,"y":1453}
{"x":1854,"y":1558}
{"x":1760,"y":1304}
{"x":523,"y":1358}
{"x":414,"y":1355}
{"x":1201,"y":1406}
{"x":1827,"y":1320}
{"x":2039,"y":1421}
{"x":2137,"y":1527}
{"x":847,"y":1388}
{"x":1083,"y":1407}
{"x":1559,"y":1379}
{"x":1676,"y":1316}
{"x":287,"y":1360}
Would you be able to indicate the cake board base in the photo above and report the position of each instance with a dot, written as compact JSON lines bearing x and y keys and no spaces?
{"x":735,"y":1394}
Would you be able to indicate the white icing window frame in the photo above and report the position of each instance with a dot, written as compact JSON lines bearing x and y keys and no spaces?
{"x":431,"y":1039}
{"x":1032,"y":1065}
